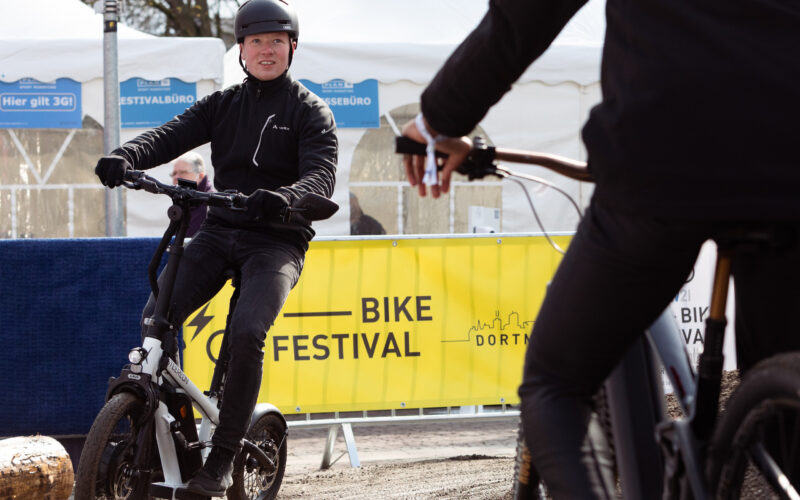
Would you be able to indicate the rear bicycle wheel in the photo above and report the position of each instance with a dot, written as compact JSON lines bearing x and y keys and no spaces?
{"x":755,"y":449}
{"x":106,"y":469}
{"x":253,"y":480}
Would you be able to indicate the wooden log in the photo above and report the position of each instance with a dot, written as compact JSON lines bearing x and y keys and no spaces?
{"x":34,"y":468}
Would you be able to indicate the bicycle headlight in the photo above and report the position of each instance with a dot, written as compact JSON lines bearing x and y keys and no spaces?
{"x":137,"y":355}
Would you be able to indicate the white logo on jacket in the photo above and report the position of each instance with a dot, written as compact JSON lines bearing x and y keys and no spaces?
{"x":269,"y":119}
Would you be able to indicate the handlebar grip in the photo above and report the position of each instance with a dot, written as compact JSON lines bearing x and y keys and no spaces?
{"x":406,"y":145}
{"x":239,"y":200}
{"x":132,"y":175}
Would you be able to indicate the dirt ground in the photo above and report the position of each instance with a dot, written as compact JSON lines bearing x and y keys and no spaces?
{"x":465,"y":460}
{"x":432,"y":460}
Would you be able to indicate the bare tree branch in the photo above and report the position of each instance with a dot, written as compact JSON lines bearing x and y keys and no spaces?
{"x":187,"y":18}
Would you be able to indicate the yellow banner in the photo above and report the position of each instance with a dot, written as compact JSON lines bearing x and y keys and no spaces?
{"x":395,"y":323}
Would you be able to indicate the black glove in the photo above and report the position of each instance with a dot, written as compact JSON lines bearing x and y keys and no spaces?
{"x":111,"y":170}
{"x":265,"y":203}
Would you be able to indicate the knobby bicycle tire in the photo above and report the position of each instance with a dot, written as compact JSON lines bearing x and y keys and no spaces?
{"x":110,"y":445}
{"x":763,"y":414}
{"x":527,"y":484}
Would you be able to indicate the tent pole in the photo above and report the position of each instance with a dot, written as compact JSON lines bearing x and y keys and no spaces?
{"x":115,"y":221}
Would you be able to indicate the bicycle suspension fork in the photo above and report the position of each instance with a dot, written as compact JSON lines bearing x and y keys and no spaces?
{"x":709,"y":376}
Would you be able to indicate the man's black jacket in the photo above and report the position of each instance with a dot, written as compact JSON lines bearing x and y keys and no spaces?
{"x":274,"y":135}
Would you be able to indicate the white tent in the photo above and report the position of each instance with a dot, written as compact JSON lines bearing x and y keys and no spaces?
{"x":403,"y":44}
{"x":50,"y":39}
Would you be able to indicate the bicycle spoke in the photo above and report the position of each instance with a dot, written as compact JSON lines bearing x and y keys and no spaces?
{"x":791,"y":463}
{"x":783,"y":433}
{"x":772,"y":472}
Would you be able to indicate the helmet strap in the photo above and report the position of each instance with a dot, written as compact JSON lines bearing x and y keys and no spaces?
{"x":241,"y":63}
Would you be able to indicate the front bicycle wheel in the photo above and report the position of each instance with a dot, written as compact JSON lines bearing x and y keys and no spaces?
{"x":755,"y":449}
{"x":106,"y":468}
{"x":261,"y":481}
{"x":528,"y":485}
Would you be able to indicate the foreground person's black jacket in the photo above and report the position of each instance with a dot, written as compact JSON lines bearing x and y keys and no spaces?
{"x":700,"y":100}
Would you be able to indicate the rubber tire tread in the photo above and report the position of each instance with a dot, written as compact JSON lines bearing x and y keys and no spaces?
{"x":603,"y":412}
{"x":534,"y":488}
{"x":526,"y":489}
{"x":105,"y":422}
{"x":236,"y":491}
{"x":777,"y":377}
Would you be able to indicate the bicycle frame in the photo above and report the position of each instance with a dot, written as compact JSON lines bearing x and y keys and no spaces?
{"x":157,"y":365}
{"x":162,"y":417}
{"x":152,"y":403}
{"x":635,"y":392}
{"x":697,"y":393}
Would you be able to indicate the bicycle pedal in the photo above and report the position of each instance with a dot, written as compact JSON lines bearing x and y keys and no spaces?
{"x":184,"y":494}
{"x":165,"y":491}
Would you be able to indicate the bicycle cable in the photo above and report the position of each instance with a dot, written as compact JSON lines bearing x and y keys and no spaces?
{"x":508,"y":174}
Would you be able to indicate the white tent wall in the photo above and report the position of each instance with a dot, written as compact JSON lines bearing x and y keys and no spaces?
{"x":546,"y":118}
{"x":50,"y":39}
{"x":355,"y":40}
{"x":533,"y":116}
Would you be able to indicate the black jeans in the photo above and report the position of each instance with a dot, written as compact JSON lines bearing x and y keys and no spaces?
{"x":269,"y":268}
{"x":619,"y":273}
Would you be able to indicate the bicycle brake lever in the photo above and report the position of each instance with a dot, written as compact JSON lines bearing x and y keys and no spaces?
{"x":478,"y":164}
{"x":238,"y":200}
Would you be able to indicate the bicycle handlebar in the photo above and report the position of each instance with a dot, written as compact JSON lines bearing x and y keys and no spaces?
{"x":482,"y":160}
{"x":137,"y":179}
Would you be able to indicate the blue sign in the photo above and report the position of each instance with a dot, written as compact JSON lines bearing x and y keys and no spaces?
{"x":150,"y":103}
{"x":29,"y":103}
{"x":353,"y":105}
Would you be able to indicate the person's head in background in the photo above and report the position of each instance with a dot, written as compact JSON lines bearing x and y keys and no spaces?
{"x":189,"y":166}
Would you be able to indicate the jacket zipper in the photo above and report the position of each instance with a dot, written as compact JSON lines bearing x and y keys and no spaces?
{"x":269,"y":118}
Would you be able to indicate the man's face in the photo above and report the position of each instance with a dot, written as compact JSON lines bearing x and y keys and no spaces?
{"x":183,"y":170}
{"x":266,"y":55}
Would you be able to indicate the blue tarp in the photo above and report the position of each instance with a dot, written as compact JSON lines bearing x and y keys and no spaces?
{"x":69,"y":314}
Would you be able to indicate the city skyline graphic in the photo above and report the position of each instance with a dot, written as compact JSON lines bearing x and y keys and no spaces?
{"x":497,"y":324}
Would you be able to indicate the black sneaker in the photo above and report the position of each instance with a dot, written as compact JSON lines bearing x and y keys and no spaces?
{"x":215,"y":476}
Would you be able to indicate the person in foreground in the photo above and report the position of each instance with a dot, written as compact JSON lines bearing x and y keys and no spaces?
{"x":273,"y":140}
{"x":695,"y":134}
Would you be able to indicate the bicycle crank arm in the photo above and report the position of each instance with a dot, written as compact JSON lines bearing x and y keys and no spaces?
{"x":257,"y":453}
{"x":186,"y":445}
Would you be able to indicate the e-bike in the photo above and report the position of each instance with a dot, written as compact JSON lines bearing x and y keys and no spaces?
{"x":145,"y":442}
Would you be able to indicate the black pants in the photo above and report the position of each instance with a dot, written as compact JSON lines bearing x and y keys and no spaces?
{"x":619,"y":273}
{"x":269,"y":268}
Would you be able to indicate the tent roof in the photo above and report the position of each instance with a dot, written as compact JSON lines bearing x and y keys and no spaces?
{"x":50,"y":39}
{"x":409,"y":40}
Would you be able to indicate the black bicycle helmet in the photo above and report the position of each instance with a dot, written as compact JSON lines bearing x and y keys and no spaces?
{"x":266,"y":16}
